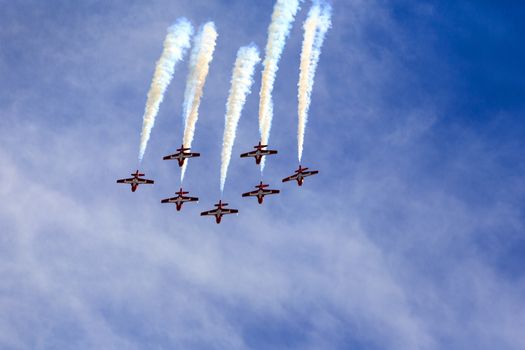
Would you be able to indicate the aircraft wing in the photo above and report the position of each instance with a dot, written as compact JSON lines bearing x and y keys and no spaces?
{"x":191,"y":155}
{"x":229,"y":211}
{"x":144,"y":181}
{"x":249,"y":194}
{"x":171,"y":156}
{"x":169,"y":200}
{"x":183,"y":199}
{"x":248,"y":154}
{"x":290,"y":178}
{"x":209,"y":212}
{"x":125,"y":181}
{"x":267,"y":192}
{"x":268,"y":151}
{"x":310,"y":173}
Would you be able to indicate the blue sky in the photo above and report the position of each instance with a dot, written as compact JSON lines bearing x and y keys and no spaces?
{"x":411,"y":236}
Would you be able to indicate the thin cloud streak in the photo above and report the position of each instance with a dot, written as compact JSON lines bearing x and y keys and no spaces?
{"x":389,"y":247}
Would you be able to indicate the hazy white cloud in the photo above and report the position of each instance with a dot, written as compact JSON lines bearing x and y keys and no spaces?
{"x":387,"y":248}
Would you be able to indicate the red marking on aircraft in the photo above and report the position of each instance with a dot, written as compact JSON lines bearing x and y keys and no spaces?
{"x":180,"y":199}
{"x":135,"y":181}
{"x":219,"y":211}
{"x":181,"y":155}
{"x":260,"y":192}
{"x":300,"y":174}
{"x":259,"y":153}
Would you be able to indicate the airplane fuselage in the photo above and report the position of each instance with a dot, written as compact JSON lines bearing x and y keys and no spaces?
{"x":260,"y":195}
{"x":135,"y":181}
{"x":259,"y":154}
{"x":179,"y":200}
{"x":178,"y":203}
{"x":219,"y":212}
{"x":180,"y":158}
{"x":134,"y":184}
{"x":299,"y":177}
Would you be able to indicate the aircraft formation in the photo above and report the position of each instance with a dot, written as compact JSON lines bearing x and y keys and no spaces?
{"x":220,"y":210}
{"x":178,"y":41}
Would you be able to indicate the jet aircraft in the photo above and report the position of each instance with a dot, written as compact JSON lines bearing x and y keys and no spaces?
{"x":182,"y":155}
{"x":299,"y":175}
{"x":260,"y":192}
{"x":259,"y":153}
{"x":135,"y":181}
{"x":219,"y":211}
{"x":180,"y":199}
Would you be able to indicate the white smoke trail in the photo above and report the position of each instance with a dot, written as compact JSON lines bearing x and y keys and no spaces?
{"x":175,"y":46}
{"x":315,"y":27}
{"x":201,"y":56}
{"x":241,"y":82}
{"x":283,"y":15}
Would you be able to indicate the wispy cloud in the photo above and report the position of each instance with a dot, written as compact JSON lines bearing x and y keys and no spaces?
{"x":410,"y":238}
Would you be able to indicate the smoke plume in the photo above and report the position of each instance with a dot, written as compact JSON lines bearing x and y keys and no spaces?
{"x":283,"y":15}
{"x":201,"y":56}
{"x":315,"y":28}
{"x":241,"y":82}
{"x":175,"y":46}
